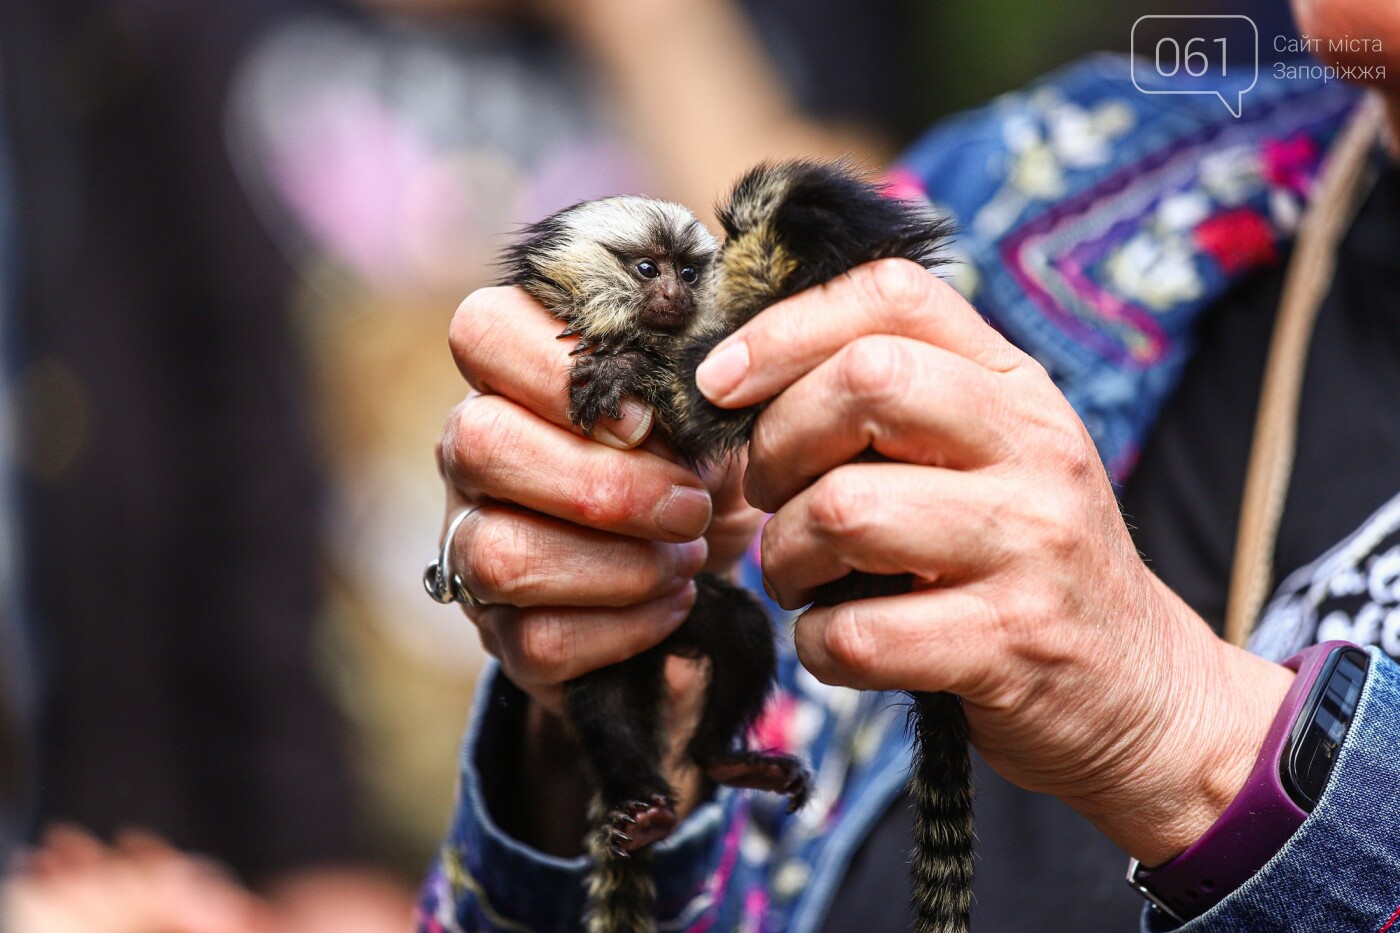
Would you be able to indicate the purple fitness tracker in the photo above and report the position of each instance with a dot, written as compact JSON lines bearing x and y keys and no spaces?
{"x":1288,"y":777}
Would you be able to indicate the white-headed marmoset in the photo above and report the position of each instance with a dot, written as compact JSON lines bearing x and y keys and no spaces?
{"x":641,"y":284}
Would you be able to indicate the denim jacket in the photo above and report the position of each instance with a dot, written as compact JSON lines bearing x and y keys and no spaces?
{"x":1111,"y":219}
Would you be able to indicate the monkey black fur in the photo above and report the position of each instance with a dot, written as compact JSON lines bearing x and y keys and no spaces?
{"x":632,"y":279}
{"x":788,"y":226}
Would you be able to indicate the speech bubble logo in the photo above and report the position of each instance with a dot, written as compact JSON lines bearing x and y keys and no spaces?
{"x":1208,"y":54}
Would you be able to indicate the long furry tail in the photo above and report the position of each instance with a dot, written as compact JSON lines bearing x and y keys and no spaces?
{"x":620,"y":892}
{"x":942,"y":789}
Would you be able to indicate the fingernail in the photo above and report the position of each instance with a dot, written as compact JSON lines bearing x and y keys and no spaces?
{"x":685,"y":512}
{"x":690,"y":557}
{"x":723,"y":370}
{"x":625,"y":432}
{"x":682,"y":603}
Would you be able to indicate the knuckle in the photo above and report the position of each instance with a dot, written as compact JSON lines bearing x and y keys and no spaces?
{"x":1033,"y":623}
{"x":847,"y":640}
{"x":476,"y":327}
{"x":1057,"y":528}
{"x":475,"y":433}
{"x":1028,"y":367}
{"x":490,"y":622}
{"x":443,"y":444}
{"x":543,"y":647}
{"x":604,"y":498}
{"x":894,"y":286}
{"x":470,"y":321}
{"x":843,"y":504}
{"x":874,"y":371}
{"x":498,"y":561}
{"x":1078,"y":456}
{"x":1023,"y":613}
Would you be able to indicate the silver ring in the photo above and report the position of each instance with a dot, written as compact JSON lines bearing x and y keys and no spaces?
{"x":440,"y":581}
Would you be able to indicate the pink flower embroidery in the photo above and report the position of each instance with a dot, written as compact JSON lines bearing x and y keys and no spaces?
{"x":1238,"y":240}
{"x":1291,"y":163}
{"x":903,"y":184}
{"x":774,"y":730}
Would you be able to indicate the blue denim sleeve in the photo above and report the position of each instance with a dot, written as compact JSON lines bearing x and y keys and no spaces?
{"x":485,"y":880}
{"x":740,"y":861}
{"x":1338,"y":872}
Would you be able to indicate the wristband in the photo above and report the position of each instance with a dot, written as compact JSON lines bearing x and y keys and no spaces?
{"x":1288,"y":777}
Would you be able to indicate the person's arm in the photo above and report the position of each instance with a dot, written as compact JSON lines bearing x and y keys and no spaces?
{"x":1337,"y":871}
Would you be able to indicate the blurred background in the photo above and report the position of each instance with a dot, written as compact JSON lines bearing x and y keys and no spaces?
{"x":232,"y":235}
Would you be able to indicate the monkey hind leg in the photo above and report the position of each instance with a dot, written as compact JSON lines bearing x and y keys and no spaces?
{"x":615,"y":714}
{"x":941,"y":786}
{"x":731,"y":628}
{"x":620,"y":891}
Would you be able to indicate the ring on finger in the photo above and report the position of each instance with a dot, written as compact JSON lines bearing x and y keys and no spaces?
{"x":439,"y":579}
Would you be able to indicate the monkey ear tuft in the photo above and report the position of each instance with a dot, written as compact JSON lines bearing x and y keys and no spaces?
{"x":518,"y":263}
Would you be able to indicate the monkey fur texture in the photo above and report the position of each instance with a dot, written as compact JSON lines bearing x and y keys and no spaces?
{"x":788,"y":227}
{"x":632,"y":279}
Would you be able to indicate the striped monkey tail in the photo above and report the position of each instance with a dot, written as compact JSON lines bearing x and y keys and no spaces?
{"x":941,"y":787}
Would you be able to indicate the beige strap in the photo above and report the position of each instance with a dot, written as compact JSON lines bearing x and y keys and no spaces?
{"x":1340,"y":190}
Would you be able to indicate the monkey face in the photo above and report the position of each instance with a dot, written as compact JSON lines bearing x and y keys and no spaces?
{"x":668,"y":290}
{"x":622,"y":267}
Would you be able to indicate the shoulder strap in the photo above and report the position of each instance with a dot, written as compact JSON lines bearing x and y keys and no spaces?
{"x":1340,"y":191}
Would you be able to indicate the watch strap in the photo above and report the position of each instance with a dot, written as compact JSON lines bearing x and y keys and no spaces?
{"x":1254,"y":826}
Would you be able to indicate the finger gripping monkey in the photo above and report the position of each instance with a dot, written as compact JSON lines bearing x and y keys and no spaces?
{"x":789,"y":227}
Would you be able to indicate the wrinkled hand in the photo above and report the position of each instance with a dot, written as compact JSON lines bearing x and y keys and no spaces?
{"x":1082,"y":675}
{"x":584,"y":547}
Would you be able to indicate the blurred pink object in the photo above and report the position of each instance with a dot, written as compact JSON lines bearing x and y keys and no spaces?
{"x":346,"y":172}
{"x":903,"y":184}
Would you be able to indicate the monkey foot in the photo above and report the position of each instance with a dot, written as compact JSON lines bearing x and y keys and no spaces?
{"x":782,"y":774}
{"x":639,"y":823}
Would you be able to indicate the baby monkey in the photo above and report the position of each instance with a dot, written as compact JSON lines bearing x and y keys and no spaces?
{"x":641,"y":285}
{"x":632,"y":279}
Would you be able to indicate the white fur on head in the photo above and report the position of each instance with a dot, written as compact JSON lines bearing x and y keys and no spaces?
{"x":588,"y":252}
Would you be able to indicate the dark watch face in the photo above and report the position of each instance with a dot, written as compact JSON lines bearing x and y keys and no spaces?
{"x":1320,"y":730}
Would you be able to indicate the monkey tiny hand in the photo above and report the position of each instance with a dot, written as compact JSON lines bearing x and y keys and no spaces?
{"x":600,"y":379}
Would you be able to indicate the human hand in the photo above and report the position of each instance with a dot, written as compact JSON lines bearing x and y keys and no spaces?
{"x":1081,"y":674}
{"x":583,"y":549}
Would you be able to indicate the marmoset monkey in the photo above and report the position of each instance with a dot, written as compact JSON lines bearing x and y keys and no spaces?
{"x":639,"y":282}
{"x":632,"y":279}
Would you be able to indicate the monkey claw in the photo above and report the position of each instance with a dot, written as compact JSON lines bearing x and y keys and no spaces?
{"x":782,"y":774}
{"x":639,"y":823}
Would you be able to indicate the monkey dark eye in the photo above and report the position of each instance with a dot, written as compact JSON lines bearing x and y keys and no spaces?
{"x":648,"y":269}
{"x":689,"y":275}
